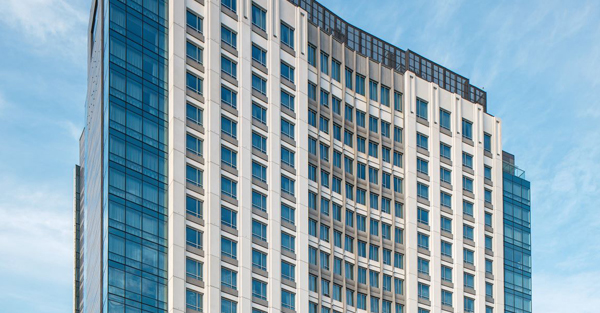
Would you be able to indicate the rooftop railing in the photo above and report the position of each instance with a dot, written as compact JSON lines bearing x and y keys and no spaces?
{"x":388,"y":54}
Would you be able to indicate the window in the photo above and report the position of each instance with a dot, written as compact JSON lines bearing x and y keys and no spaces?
{"x":423,"y":241}
{"x":193,"y":300}
{"x":312,"y":91}
{"x":445,"y":119}
{"x":312,"y":118}
{"x":373,"y":149}
{"x":469,"y":305}
{"x":488,"y":242}
{"x":194,"y":52}
{"x":397,"y":101}
{"x":362,"y":249}
{"x":422,"y":141}
{"x":259,"y":260}
{"x":337,"y":293}
{"x":324,"y":63}
{"x":288,"y":300}
{"x":446,"y":224}
{"x":467,"y":129}
{"x":193,"y":207}
{"x":194,"y":83}
{"x":335,"y":70}
{"x":194,"y":21}
{"x":385,"y":96}
{"x":386,"y":180}
{"x":228,"y":248}
{"x":348,"y":78}
{"x":398,"y":234}
{"x":287,"y":129}
{"x":489,"y":290}
{"x":422,"y":166}
{"x":422,"y":191}
{"x":287,"y":72}
{"x":228,"y":37}
{"x":194,"y":114}
{"x":467,"y":184}
{"x":398,"y":286}
{"x":324,"y":98}
{"x":259,"y":55}
{"x":374,"y":278}
{"x":385,"y":129}
{"x":446,"y":297}
{"x":374,"y":305}
{"x":259,"y":113}
{"x":230,"y":4}
{"x":228,"y":218}
{"x":259,"y":172}
{"x":373,"y":176}
{"x":287,"y":100}
{"x":287,"y":186}
{"x":446,"y":249}
{"x":193,"y":145}
{"x":374,"y":227}
{"x":423,"y":266}
{"x":361,"y":301}
{"x":228,"y":127}
{"x":467,"y":160}
{"x":287,"y":35}
{"x":398,"y":260}
{"x":360,"y":144}
{"x":324,"y":233}
{"x":361,"y":170}
{"x":194,"y":269}
{"x":468,"y":232}
{"x":445,"y":151}
{"x":259,"y":84}
{"x":373,"y":90}
{"x":287,"y":157}
{"x":445,"y":175}
{"x":312,"y":227}
{"x":488,"y":219}
{"x":336,"y":105}
{"x":323,"y":124}
{"x":487,"y":195}
{"x":259,"y":17}
{"x":469,"y":256}
{"x":324,"y":152}
{"x":446,"y":273}
{"x":288,"y":242}
{"x":397,"y":184}
{"x":487,"y":142}
{"x":397,"y":159}
{"x":349,"y":191}
{"x":259,"y":289}
{"x":422,"y":109}
{"x":349,"y":270}
{"x":361,"y":222}
{"x":259,"y":201}
{"x":487,"y":172}
{"x":229,"y":97}
{"x":423,"y":291}
{"x":228,"y":67}
{"x":387,"y":257}
{"x":467,"y":208}
{"x":469,"y":281}
{"x":423,"y":216}
{"x":360,"y":84}
{"x":373,"y":123}
{"x":259,"y":142}
{"x":288,"y":271}
{"x":349,"y":218}
{"x":337,"y":242}
{"x":312,"y":55}
{"x":489,"y":266}
{"x":194,"y":176}
{"x":348,"y":113}
{"x":360,"y":118}
{"x":398,"y":208}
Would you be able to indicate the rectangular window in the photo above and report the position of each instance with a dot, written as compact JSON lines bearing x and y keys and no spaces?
{"x":287,"y":72}
{"x":446,"y":273}
{"x":446,"y":298}
{"x":288,"y":300}
{"x":193,"y":145}
{"x":423,"y":266}
{"x":467,"y":160}
{"x":288,"y":242}
{"x":228,"y":97}
{"x":469,"y":281}
{"x":445,"y":151}
{"x":259,"y":172}
{"x":487,"y":142}
{"x":193,"y":238}
{"x":194,"y":52}
{"x":469,"y":256}
{"x":228,"y":248}
{"x":422,"y":109}
{"x":423,"y":216}
{"x":445,"y":119}
{"x":287,"y":35}
{"x":259,"y":113}
{"x":228,"y":67}
{"x":228,"y":278}
{"x":385,"y":96}
{"x":422,"y":166}
{"x":194,"y":83}
{"x":312,"y":55}
{"x":397,"y":159}
{"x":323,"y":124}
{"x":324,"y":63}
{"x":468,"y":208}
{"x":335,"y":70}
{"x":230,"y":4}
{"x":423,"y":291}
{"x":385,"y":129}
{"x":287,"y":157}
{"x":487,"y":172}
{"x":360,"y":144}
{"x":360,"y":84}
{"x":348,"y":78}
{"x":193,"y":300}
{"x":287,"y":129}
{"x":259,"y":17}
{"x":288,"y":271}
{"x":337,"y":132}
{"x":259,"y":289}
{"x":445,"y":175}
{"x":259,"y":84}
{"x":194,"y":176}
{"x":228,"y":37}
{"x":259,"y":142}
{"x":467,"y":129}
{"x":467,"y":184}
{"x":422,"y":191}
{"x":228,"y":217}
{"x":373,"y":90}
{"x":194,"y":114}
{"x":287,"y":101}
{"x":373,"y":149}
{"x":259,"y":201}
{"x":194,"y":207}
{"x":373,"y":123}
{"x":287,"y":185}
{"x":259,"y":55}
{"x":259,"y":230}
{"x":336,"y":105}
{"x":422,"y":141}
{"x":446,"y":224}
{"x":446,"y":249}
{"x":487,"y":195}
{"x":194,"y":21}
{"x":423,"y":241}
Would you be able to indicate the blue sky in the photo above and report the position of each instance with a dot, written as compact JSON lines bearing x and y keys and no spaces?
{"x":538,"y":60}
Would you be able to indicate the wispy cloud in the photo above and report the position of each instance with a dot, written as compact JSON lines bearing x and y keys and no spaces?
{"x":48,"y":25}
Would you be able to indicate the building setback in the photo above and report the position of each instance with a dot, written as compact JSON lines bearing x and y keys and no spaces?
{"x":267,"y":156}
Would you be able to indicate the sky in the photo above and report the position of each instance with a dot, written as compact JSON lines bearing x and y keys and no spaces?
{"x":538,"y":60}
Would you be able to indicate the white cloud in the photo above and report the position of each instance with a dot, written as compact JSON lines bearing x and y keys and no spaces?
{"x":555,"y":293}
{"x":48,"y":25}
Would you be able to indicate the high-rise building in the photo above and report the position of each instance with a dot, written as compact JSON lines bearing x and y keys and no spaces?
{"x":517,"y":237}
{"x":267,"y":156}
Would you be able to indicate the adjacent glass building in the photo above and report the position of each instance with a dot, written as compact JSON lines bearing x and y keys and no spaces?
{"x":259,"y":156}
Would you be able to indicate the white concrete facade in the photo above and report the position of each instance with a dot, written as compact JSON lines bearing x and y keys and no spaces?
{"x":214,"y":16}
